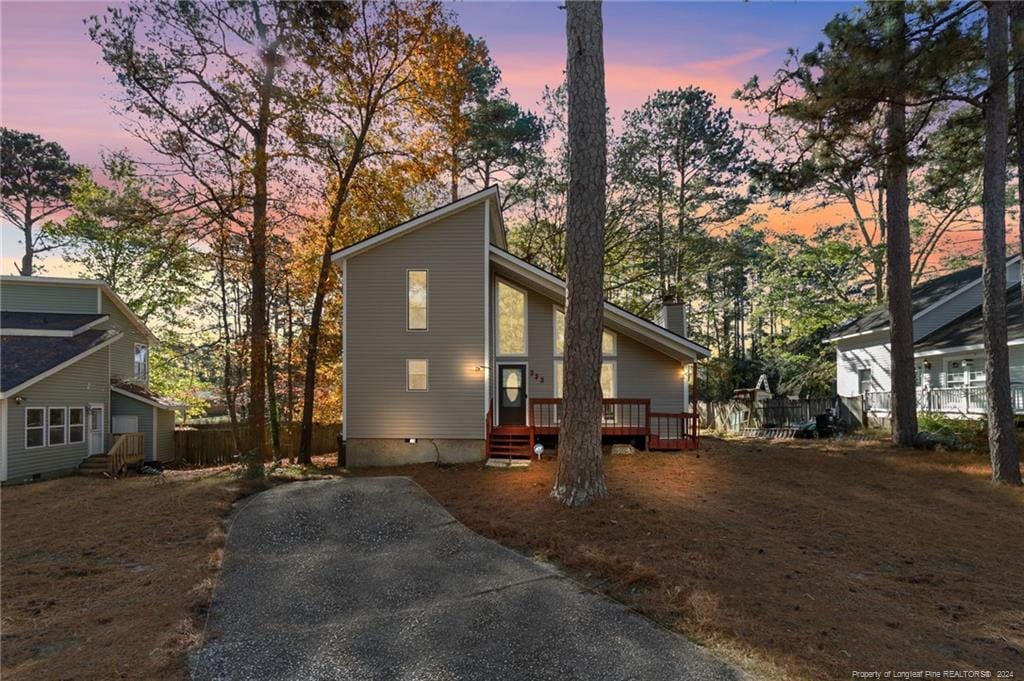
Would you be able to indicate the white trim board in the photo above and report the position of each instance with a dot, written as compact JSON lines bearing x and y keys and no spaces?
{"x":638,"y":327}
{"x":50,"y":372}
{"x":961,"y":348}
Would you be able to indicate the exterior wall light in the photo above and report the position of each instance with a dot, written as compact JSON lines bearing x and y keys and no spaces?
{"x":411,"y":440}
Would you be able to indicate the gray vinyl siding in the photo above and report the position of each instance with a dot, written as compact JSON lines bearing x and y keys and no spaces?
{"x":378,"y":344}
{"x":120,"y":405}
{"x":41,"y":297}
{"x":644,"y":372}
{"x":122,"y":351}
{"x":84,"y":382}
{"x":164,"y":435}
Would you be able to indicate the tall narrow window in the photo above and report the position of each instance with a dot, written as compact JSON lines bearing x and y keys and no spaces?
{"x":864,"y":383}
{"x":417,"y":291}
{"x":140,"y":368}
{"x":416,"y":375}
{"x":511,"y":320}
{"x":56,"y":425}
{"x":35,"y":427}
{"x":608,"y":339}
{"x":76,"y":424}
{"x":608,"y":387}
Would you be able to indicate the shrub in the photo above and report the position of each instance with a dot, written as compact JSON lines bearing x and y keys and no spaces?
{"x":969,"y":433}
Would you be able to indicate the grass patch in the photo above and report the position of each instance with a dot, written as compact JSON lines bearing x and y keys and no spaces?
{"x":800,"y":560}
{"x":110,"y":579}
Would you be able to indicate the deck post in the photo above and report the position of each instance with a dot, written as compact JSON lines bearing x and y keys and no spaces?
{"x":693,"y":400}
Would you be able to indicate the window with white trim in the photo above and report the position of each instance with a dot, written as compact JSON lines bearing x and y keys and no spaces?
{"x":416,"y":285}
{"x":609,"y":341}
{"x":864,"y":383}
{"x":56,"y":426}
{"x":511,"y":320}
{"x":35,"y":427}
{"x":416,"y":375}
{"x":140,"y":367}
{"x":608,"y":378}
{"x":76,"y":424}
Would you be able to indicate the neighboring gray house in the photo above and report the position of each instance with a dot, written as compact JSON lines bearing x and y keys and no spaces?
{"x":74,"y":378}
{"x":948,"y":347}
{"x":453,"y":348}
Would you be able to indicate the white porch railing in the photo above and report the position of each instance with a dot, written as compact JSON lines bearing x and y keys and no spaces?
{"x":971,"y":401}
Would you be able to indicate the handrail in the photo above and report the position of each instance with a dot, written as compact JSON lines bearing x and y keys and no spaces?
{"x":127,"y":449}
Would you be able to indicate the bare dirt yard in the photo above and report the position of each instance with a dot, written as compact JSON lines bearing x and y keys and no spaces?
{"x":110,"y":579}
{"x":803,"y":560}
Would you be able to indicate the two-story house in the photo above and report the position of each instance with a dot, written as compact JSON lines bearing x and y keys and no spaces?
{"x":453,"y":349}
{"x":949,"y":351}
{"x":74,"y":379}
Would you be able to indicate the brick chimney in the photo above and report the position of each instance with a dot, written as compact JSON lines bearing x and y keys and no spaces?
{"x":673,"y":316}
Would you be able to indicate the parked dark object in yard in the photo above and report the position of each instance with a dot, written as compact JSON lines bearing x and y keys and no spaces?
{"x":928,"y":440}
{"x":342,"y":454}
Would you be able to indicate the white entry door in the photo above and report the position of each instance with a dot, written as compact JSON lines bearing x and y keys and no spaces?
{"x":96,"y":444}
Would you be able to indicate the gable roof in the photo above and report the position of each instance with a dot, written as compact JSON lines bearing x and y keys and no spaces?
{"x":143,"y":394}
{"x":103,"y":286}
{"x":637,"y":327}
{"x":26,"y":360}
{"x":498,"y":226}
{"x":923,"y":298}
{"x":968,"y":329}
{"x":47,"y":323}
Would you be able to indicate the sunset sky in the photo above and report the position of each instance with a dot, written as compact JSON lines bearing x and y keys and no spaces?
{"x":54,"y":84}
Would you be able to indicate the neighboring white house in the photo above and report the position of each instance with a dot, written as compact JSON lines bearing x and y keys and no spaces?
{"x":948,"y":347}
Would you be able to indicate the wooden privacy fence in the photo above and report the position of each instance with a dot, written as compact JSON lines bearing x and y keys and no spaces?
{"x":213,"y":446}
{"x":779,"y":412}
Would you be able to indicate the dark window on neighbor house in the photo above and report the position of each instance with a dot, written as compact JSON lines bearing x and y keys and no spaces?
{"x":76,"y":424}
{"x":56,"y":426}
{"x":35,"y":427}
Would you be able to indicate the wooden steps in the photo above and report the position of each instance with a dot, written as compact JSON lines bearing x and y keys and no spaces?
{"x":126,"y":451}
{"x":97,"y":464}
{"x":509,"y":444}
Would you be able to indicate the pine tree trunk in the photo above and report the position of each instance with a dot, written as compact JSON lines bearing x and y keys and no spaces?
{"x":258,"y":275}
{"x":1017,"y":53}
{"x":580,"y":478}
{"x":1002,"y":441}
{"x":897,"y":243}
{"x":229,"y":390}
{"x":26,"y":259}
{"x":275,"y":416}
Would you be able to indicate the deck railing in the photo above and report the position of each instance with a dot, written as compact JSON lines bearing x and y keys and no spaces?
{"x":968,"y":401}
{"x":127,"y":449}
{"x":619,"y":416}
{"x":623,"y":417}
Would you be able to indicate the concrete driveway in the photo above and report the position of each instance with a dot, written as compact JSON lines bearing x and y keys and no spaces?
{"x":370,"y":578}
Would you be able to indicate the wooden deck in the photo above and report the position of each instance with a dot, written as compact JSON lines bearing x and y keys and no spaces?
{"x":622,"y":417}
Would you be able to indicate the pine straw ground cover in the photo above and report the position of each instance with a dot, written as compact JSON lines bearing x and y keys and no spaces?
{"x":110,"y":579}
{"x":799,"y":560}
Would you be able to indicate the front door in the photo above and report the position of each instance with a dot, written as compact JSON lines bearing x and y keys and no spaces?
{"x":512,"y":394}
{"x":96,"y":430}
